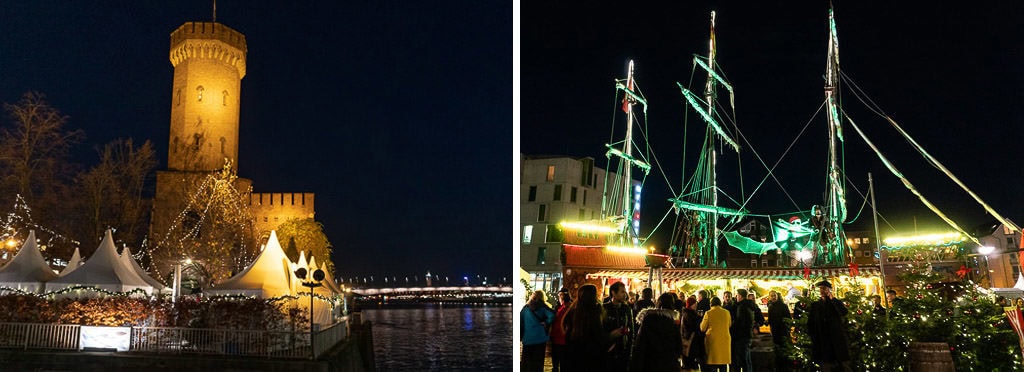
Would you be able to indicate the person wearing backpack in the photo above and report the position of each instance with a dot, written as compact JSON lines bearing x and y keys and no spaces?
{"x":534,"y":322}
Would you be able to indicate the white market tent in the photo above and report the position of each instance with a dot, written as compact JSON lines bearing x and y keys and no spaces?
{"x":272,"y":275}
{"x":104,"y":270}
{"x":269,"y":276}
{"x":27,"y":271}
{"x":74,"y":263}
{"x":128,"y":260}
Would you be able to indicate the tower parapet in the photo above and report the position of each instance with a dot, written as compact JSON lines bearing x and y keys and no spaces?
{"x":192,"y":39}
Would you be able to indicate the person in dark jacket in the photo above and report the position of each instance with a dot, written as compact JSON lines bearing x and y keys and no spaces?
{"x":586,"y":340}
{"x":703,"y":302}
{"x":646,"y":300}
{"x":778,"y":315}
{"x":690,"y":328}
{"x":827,"y":328}
{"x":658,"y":341}
{"x":619,"y":316}
{"x":742,"y":330}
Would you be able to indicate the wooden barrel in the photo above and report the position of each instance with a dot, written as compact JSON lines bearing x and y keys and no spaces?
{"x":930,"y":357}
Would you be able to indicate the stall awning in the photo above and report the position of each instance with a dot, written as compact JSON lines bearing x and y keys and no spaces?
{"x":759,"y":274}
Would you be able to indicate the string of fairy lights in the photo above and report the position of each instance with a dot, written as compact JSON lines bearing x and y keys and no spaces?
{"x":214,"y":190}
{"x":17,"y":223}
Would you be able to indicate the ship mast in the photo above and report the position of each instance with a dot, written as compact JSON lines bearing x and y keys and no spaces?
{"x":629,"y":220}
{"x":701,"y":212}
{"x":709,"y":96}
{"x":833,"y":247}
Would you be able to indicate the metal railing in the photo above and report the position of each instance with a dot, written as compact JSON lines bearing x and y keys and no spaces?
{"x":330,"y":336}
{"x":39,"y":336}
{"x":268,"y":344}
{"x":220,"y":341}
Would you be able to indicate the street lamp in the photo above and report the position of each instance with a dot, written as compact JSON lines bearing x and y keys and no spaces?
{"x":985,"y":251}
{"x":318,"y":276}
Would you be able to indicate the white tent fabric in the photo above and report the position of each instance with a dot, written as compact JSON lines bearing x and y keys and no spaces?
{"x":74,"y":263}
{"x":1020,"y":282}
{"x":268,"y":276}
{"x":328,"y":283}
{"x":27,"y":271}
{"x":104,"y":270}
{"x":128,"y":260}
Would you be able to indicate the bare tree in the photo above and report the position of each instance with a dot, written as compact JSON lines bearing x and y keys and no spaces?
{"x":112,"y":191}
{"x":34,"y":157}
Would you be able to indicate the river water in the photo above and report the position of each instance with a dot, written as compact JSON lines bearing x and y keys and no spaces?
{"x":442,"y":338}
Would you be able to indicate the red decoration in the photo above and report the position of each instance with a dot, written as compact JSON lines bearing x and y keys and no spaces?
{"x":854,"y":271}
{"x":962,"y":272}
{"x":807,"y":273}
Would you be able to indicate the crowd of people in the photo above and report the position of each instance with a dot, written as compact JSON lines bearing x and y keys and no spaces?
{"x":675,"y":332}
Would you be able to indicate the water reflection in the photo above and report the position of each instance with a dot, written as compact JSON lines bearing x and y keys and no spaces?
{"x":434,"y":338}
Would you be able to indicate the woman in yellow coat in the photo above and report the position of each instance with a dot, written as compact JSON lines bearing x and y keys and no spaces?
{"x":717,"y":341}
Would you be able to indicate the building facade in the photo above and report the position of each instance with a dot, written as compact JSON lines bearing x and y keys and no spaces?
{"x":1004,"y":262}
{"x":554,"y":189}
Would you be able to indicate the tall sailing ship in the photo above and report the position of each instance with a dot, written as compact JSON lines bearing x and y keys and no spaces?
{"x":808,"y":244}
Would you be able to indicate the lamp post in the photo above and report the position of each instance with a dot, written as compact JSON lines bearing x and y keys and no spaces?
{"x":985,"y":251}
{"x":318,"y":276}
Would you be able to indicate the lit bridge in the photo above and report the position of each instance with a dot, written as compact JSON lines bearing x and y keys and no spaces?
{"x":433,"y":295}
{"x":431,"y":291}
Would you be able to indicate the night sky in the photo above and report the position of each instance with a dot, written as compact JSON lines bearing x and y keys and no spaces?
{"x":949,"y":74}
{"x":396,"y":114}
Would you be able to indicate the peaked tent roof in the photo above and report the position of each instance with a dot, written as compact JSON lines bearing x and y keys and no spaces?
{"x":268,"y":276}
{"x":27,"y":268}
{"x":328,"y":278}
{"x":74,"y":263}
{"x":104,"y":269}
{"x":126,"y":256}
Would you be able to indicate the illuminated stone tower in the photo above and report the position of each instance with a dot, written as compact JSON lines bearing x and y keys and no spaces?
{"x":209,"y":64}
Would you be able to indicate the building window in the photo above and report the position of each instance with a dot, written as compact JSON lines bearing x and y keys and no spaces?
{"x":200,"y":89}
{"x":551,"y":173}
{"x":558,"y":193}
{"x":583,"y":214}
{"x":584,"y":196}
{"x":542,"y":213}
{"x":587,"y":172}
{"x":1009,"y":241}
{"x":527,"y":234}
{"x":572,"y":195}
{"x":865,"y":240}
{"x":533,"y":194}
{"x":224,"y":102}
{"x":542,"y":252}
{"x":179,"y":97}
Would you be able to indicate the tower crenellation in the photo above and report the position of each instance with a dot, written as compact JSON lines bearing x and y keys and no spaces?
{"x":200,"y":40}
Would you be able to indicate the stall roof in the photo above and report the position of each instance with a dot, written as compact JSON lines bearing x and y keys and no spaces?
{"x":762,"y":274}
{"x":586,"y":256}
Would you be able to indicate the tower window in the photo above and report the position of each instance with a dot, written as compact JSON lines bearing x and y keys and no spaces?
{"x":551,"y":173}
{"x":542,"y":213}
{"x":200,"y":89}
{"x":533,"y":194}
{"x":224,"y":102}
{"x":179,"y":97}
{"x":572,"y":195}
{"x":222,"y":141}
{"x":558,"y":192}
{"x":196,"y":138}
